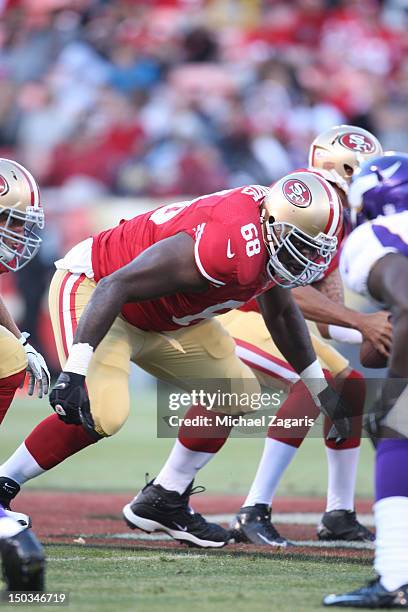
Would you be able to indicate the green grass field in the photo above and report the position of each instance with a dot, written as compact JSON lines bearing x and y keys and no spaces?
{"x":120,"y":463}
{"x":123,"y":580}
{"x":110,"y":579}
{"x":130,"y":580}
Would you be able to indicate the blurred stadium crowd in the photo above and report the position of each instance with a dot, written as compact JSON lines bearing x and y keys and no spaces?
{"x":164,"y":97}
{"x":157,"y":98}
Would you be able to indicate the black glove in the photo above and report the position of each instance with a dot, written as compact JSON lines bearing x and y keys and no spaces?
{"x":69,"y":397}
{"x":332,"y":406}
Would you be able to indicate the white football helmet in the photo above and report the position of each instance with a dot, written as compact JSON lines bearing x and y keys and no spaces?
{"x":300,"y":218}
{"x":20,"y":214}
{"x":339,"y":151}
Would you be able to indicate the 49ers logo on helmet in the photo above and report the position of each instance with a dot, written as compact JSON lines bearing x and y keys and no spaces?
{"x":358,"y":142}
{"x":4,"y":186}
{"x":297,"y":193}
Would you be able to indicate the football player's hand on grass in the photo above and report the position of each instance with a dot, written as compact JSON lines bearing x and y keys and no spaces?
{"x":69,"y":397}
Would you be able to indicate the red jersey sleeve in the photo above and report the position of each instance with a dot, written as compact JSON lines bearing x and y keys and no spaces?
{"x":228,"y":243}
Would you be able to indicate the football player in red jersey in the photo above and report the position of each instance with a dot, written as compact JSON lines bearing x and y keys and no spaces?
{"x":20,"y":215}
{"x":147,"y":291}
{"x":336,"y":154}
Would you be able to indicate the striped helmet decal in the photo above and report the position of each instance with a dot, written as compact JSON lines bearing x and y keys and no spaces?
{"x":32,"y":183}
{"x":335,"y":214}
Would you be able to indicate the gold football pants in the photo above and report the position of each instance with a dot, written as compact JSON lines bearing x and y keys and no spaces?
{"x":257,"y":349}
{"x":12,"y":354}
{"x":204,"y":351}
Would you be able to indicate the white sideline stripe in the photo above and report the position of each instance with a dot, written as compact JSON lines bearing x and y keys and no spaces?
{"x":132,"y":558}
{"x":293,"y":518}
{"x":336,"y":544}
{"x":153,"y":537}
{"x":162,"y":537}
{"x":290,"y":518}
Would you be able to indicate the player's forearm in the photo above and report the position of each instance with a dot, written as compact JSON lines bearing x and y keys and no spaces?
{"x":102,"y":309}
{"x":7,"y":321}
{"x":289,"y":331}
{"x":166,"y":268}
{"x":292,"y":337}
{"x":315,"y":306}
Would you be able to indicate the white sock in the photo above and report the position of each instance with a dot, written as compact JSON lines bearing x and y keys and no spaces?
{"x":342,"y":473}
{"x":391,"y":544}
{"x":181,"y":468}
{"x":9,"y":527}
{"x":21,"y":466}
{"x":275,"y":459}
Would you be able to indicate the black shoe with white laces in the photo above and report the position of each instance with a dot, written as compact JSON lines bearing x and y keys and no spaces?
{"x":343,"y":525}
{"x":374,"y":595}
{"x":9,"y":488}
{"x":157,"y":509}
{"x":23,"y":562}
{"x":253,"y":524}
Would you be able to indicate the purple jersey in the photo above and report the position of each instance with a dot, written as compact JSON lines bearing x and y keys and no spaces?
{"x":368,"y":243}
{"x":391,"y":236}
{"x":381,"y":187}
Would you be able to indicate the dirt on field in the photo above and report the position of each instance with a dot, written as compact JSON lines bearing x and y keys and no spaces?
{"x":95,"y":519}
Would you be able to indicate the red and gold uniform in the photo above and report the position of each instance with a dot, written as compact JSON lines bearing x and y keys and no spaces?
{"x":228,"y":252}
{"x":175,"y":336}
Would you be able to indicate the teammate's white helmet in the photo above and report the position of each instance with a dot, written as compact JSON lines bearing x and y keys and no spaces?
{"x":19,"y":204}
{"x":339,"y":151}
{"x":300,"y":218}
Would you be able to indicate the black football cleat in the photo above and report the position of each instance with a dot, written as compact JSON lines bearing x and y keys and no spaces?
{"x":343,"y":525}
{"x":157,"y":509}
{"x":9,"y":488}
{"x":23,"y":562}
{"x":253,"y":524}
{"x":374,"y":595}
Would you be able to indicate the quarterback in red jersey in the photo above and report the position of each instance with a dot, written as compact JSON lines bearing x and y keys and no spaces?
{"x":147,"y":291}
